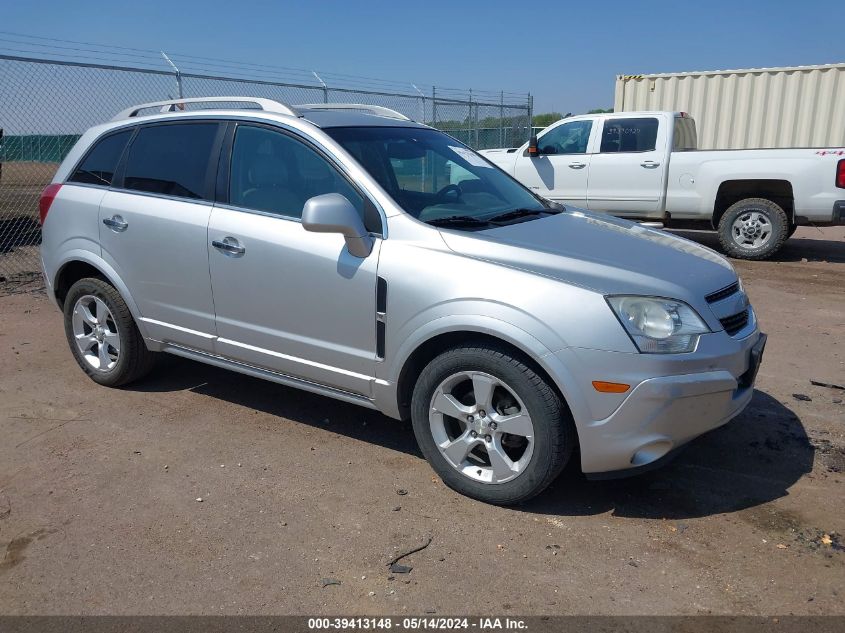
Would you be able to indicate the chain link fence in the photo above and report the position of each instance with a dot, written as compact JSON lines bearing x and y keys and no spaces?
{"x":45,"y":105}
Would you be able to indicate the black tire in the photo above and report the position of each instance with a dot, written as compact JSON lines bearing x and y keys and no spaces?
{"x":774,"y":215}
{"x":554,"y":430}
{"x":134,"y":360}
{"x":791,"y":231}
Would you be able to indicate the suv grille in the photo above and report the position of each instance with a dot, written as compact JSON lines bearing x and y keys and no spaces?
{"x":713,"y":297}
{"x":735,"y":323}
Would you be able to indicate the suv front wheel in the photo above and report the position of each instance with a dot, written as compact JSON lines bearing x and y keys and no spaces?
{"x":102,"y":334}
{"x":489,"y":425}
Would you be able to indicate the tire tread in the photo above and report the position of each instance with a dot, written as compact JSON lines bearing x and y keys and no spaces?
{"x":782,"y":226}
{"x":139,"y":360}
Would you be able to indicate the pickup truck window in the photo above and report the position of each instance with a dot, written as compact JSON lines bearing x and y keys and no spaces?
{"x":629,"y":135}
{"x":685,"y":137}
{"x":568,"y":138}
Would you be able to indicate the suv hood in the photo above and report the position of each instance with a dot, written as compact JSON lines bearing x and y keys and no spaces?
{"x":602,"y":253}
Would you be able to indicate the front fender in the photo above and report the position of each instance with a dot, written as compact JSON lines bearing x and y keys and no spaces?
{"x":385,"y":389}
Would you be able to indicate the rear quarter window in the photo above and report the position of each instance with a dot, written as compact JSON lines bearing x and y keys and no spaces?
{"x":172,"y":159}
{"x":685,"y":137}
{"x":100,"y":163}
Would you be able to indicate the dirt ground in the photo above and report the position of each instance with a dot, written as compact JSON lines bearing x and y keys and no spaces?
{"x":99,"y":490}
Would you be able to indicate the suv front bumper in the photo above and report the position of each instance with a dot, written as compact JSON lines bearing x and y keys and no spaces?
{"x":661,"y":413}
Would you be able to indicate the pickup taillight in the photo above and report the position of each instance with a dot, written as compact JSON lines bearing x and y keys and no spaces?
{"x":840,"y":174}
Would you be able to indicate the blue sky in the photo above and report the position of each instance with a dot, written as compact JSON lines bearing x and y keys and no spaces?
{"x":565,"y":53}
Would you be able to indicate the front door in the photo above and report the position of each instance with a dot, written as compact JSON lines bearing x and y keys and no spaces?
{"x":291,"y":301}
{"x":561,"y":169}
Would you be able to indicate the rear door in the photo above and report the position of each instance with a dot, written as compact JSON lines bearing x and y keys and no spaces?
{"x":291,"y":301}
{"x":561,"y":169}
{"x":627,"y":173}
{"x":154,"y":228}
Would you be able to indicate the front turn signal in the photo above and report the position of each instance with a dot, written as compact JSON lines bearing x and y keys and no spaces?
{"x":610,"y":387}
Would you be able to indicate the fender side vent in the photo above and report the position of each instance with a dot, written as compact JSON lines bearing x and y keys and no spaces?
{"x":381,"y":295}
{"x":380,"y":339}
{"x":381,"y":313}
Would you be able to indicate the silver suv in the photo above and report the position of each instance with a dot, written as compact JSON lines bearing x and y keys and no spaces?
{"x":349,"y":251}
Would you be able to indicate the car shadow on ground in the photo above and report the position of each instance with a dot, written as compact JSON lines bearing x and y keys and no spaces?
{"x":298,"y":406}
{"x":795,"y":249}
{"x":752,"y":460}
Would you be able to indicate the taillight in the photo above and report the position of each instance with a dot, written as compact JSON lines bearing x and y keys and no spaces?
{"x":840,"y":174}
{"x":47,"y":197}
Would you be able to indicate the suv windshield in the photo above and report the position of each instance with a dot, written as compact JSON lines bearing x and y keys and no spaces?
{"x":437,"y":179}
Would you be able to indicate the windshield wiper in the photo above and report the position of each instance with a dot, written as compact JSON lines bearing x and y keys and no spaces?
{"x":520,"y":213}
{"x":458,"y":220}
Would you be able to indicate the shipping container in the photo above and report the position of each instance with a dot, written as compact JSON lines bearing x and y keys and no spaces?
{"x":801,"y":106}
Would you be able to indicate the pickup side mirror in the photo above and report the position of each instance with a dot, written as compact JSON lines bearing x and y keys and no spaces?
{"x":333,"y":213}
{"x":533,"y":150}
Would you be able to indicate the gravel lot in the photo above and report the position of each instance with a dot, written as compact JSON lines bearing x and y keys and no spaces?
{"x":99,"y":490}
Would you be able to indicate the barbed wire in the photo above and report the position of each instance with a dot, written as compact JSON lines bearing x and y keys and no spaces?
{"x":81,"y":51}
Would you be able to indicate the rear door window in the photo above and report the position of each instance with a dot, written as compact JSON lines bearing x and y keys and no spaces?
{"x":629,"y":135}
{"x":99,"y":165}
{"x":173,"y":160}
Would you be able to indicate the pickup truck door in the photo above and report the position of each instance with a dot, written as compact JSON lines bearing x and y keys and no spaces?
{"x":627,"y":171}
{"x":561,"y":170}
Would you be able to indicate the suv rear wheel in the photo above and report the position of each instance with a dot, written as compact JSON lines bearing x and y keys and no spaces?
{"x":102,"y":334}
{"x":489,"y":425}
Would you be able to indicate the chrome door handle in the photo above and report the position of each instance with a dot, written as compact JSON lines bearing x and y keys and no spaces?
{"x":116,"y":223}
{"x":649,"y":164}
{"x":229,"y":245}
{"x":577,"y":165}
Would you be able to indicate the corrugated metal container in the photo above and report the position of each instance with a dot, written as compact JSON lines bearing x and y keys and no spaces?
{"x":803,"y":106}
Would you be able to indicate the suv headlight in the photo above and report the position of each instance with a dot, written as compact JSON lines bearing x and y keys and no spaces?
{"x":659,"y":326}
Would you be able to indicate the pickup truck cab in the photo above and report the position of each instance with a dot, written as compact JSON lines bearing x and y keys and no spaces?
{"x":645,"y":166}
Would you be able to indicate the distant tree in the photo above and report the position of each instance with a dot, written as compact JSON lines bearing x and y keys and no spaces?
{"x":599,"y":111}
{"x":543,"y":120}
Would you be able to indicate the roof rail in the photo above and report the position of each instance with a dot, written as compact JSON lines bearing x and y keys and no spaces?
{"x":268,"y":105}
{"x":357,"y":107}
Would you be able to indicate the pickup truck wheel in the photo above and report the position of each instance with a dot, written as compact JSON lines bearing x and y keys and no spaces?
{"x":102,"y":334}
{"x":754,"y":228}
{"x":491,"y":427}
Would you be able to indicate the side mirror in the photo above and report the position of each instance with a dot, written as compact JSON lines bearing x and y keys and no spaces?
{"x":533,"y":150}
{"x":333,"y":213}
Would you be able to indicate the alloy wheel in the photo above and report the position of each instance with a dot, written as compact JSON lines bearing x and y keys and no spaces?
{"x":95,"y":333}
{"x":751,"y":229}
{"x":481,"y":427}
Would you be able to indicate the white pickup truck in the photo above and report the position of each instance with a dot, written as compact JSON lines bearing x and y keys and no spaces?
{"x":645,"y":166}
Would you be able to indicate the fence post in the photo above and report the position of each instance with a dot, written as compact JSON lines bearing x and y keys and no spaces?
{"x":178,"y":75}
{"x":433,"y":106}
{"x":474,"y":110}
{"x":325,"y":87}
{"x":470,"y":125}
{"x":422,"y":103}
{"x":530,"y":116}
{"x":502,"y":119}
